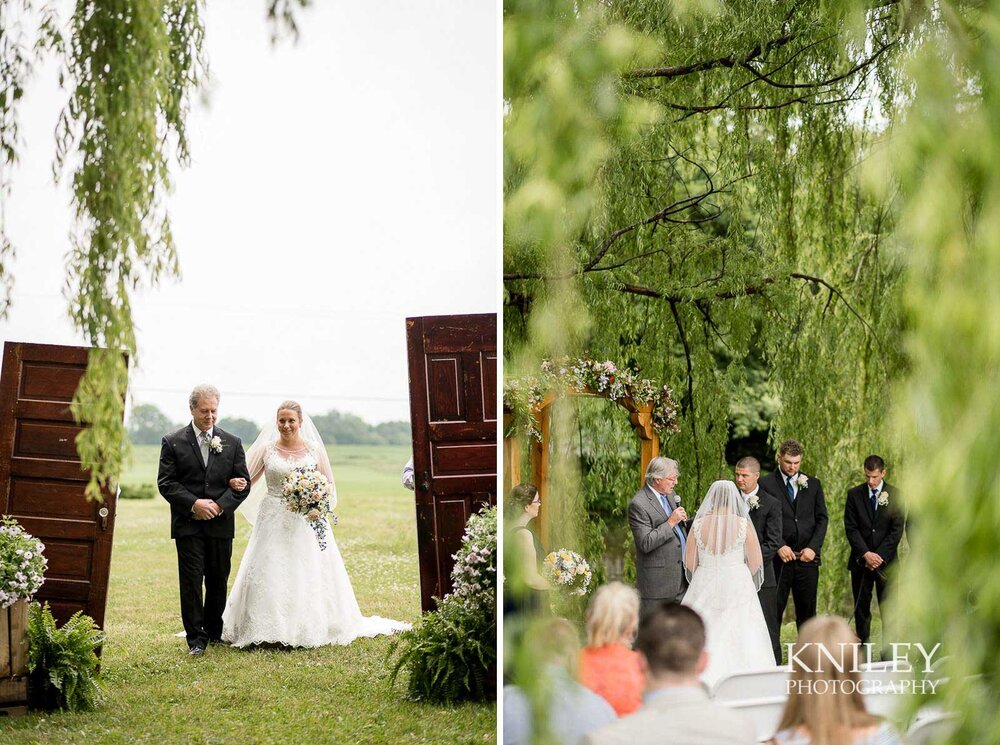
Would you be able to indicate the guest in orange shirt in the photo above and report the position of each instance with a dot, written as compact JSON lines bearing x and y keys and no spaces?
{"x":608,"y":665}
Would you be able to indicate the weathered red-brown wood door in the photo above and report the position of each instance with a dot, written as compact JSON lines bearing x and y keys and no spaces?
{"x":41,"y":479}
{"x":453,"y":415}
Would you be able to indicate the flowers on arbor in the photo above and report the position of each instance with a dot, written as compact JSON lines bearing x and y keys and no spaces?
{"x":474,"y":576}
{"x":22,"y":565}
{"x":523,"y":397}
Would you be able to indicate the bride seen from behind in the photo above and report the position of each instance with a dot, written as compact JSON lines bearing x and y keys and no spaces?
{"x":292,"y":588}
{"x":725,"y":569}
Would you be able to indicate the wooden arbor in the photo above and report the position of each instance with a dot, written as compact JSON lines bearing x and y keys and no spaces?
{"x":640,"y":416}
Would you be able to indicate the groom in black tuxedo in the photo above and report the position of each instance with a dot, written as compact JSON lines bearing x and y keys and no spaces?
{"x":803,"y":527}
{"x":196,"y":463}
{"x":765,"y":514}
{"x":874,"y":524}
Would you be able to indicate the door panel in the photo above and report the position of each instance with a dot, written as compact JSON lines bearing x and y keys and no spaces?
{"x":452,"y":367}
{"x":42,"y":481}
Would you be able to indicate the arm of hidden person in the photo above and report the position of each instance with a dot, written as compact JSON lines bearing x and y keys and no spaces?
{"x":851,"y":528}
{"x":772,"y":532}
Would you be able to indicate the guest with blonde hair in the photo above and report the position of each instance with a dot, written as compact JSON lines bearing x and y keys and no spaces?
{"x":608,"y":664}
{"x":825,"y":705}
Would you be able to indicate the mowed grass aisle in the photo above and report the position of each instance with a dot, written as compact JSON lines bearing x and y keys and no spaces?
{"x":156,"y":693}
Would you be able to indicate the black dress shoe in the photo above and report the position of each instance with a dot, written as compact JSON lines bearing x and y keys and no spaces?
{"x":217,"y":643}
{"x":196,"y":651}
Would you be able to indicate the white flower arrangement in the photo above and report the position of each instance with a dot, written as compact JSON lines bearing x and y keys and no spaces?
{"x":474,"y":576}
{"x":802,"y":481}
{"x":215,"y":444}
{"x":22,"y":565}
{"x":883,"y":498}
{"x":307,"y":492}
{"x":754,"y":501}
{"x":568,"y":571}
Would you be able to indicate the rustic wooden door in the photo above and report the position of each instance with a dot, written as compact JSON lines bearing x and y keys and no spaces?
{"x":42,"y":482}
{"x":453,"y":415}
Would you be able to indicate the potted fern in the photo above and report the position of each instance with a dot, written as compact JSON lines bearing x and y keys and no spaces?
{"x":63,"y":661}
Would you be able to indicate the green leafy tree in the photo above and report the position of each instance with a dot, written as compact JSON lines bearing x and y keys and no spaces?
{"x":245,"y":429}
{"x":147,"y":425}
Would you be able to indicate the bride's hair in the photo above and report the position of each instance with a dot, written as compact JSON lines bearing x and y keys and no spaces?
{"x":291,"y":406}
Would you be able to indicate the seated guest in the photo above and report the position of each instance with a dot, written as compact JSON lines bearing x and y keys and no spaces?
{"x":608,"y":665}
{"x":824,"y":705}
{"x":572,"y":710}
{"x":676,"y":709}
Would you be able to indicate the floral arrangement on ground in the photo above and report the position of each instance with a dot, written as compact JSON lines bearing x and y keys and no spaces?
{"x":523,"y":396}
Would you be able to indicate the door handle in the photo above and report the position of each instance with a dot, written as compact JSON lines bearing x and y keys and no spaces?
{"x":425,"y":481}
{"x":103,"y":514}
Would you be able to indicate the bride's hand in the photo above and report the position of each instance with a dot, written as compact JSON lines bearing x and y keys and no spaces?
{"x":238,"y":484}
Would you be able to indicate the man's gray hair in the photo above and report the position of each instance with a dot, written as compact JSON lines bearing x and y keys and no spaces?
{"x":750,"y":463}
{"x":660,"y":468}
{"x":203,"y":391}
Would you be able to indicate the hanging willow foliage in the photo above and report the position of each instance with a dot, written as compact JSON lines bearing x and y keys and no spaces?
{"x":131,"y":68}
{"x":725,"y":234}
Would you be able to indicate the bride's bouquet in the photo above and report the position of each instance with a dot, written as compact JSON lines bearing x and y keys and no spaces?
{"x":567,"y":570}
{"x":308,"y":492}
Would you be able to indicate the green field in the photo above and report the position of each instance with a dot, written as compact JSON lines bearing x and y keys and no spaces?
{"x":156,"y":693}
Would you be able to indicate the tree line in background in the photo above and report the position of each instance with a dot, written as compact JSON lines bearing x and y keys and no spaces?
{"x":147,"y":425}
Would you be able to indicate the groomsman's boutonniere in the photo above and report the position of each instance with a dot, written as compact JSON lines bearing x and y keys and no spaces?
{"x":754,"y":501}
{"x":883,"y":498}
{"x":802,"y":481}
{"x":215,"y":444}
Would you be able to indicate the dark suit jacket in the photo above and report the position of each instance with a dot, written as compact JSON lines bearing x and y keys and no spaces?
{"x":804,"y":525}
{"x":766,"y":519}
{"x":183,"y":479}
{"x":880,"y":531}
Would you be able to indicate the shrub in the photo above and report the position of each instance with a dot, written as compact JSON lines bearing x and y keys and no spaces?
{"x":137,"y":491}
{"x":22,"y":565}
{"x":452,"y":655}
{"x":62,"y":661}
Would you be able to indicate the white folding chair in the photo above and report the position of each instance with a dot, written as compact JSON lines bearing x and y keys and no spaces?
{"x":765,"y":713}
{"x":764,"y":683}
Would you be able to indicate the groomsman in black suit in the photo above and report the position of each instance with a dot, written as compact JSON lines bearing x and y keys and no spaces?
{"x":803,"y":528}
{"x":765,"y":514}
{"x":874,"y":524}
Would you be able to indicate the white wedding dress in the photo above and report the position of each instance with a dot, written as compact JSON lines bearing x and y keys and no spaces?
{"x":724,"y":564}
{"x":287,"y":589}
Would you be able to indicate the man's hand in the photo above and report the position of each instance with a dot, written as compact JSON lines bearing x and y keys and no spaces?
{"x":807,"y":555}
{"x":872,"y":560}
{"x":786,"y":554}
{"x":206,"y":509}
{"x":238,"y":484}
{"x":678,"y":515}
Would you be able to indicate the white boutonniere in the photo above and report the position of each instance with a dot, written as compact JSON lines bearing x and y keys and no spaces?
{"x":215,"y":444}
{"x":802,"y":481}
{"x":883,"y":498}
{"x":754,"y":501}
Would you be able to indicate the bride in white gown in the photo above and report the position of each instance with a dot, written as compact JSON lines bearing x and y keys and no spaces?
{"x":725,"y":569}
{"x":288,"y":590}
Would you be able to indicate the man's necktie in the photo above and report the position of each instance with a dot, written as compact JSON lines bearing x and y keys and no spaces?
{"x":874,"y":498}
{"x":203,"y":446}
{"x":790,"y":490}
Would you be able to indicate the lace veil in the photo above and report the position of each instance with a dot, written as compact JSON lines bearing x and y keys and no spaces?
{"x":721,"y":526}
{"x":255,"y":463}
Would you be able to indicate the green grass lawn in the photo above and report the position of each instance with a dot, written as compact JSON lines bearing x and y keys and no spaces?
{"x":156,"y":693}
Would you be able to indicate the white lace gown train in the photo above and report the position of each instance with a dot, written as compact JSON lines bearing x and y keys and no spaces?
{"x":287,"y":589}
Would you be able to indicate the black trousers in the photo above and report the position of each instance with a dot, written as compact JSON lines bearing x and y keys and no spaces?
{"x":768,"y":597}
{"x":801,"y":580}
{"x":203,"y":561}
{"x":863,"y":581}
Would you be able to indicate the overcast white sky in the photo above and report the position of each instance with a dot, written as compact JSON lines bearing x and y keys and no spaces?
{"x":337,"y":186}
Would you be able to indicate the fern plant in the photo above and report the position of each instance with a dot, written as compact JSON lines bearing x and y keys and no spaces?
{"x":62,"y":661}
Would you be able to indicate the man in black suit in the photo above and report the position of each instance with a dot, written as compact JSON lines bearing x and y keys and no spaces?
{"x":803,"y":528}
{"x":196,"y":463}
{"x":765,"y":514}
{"x":874,"y":524}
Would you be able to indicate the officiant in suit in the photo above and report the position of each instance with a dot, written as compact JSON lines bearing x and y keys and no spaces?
{"x":658,"y":526}
{"x":196,"y":464}
{"x":874,"y":523}
{"x":804,"y":521}
{"x":765,"y":514}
